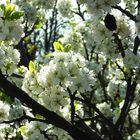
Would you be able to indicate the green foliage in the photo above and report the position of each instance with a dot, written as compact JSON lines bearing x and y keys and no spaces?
{"x":20,"y":70}
{"x":31,"y":67}
{"x":16,"y":15}
{"x":59,"y":47}
{"x":50,"y":54}
{"x":136,"y":135}
{"x":39,"y":116}
{"x":10,"y":13}
{"x":38,"y":23}
{"x":22,"y":129}
{"x":5,"y":98}
{"x":72,"y":23}
{"x":67,"y":47}
{"x":125,"y":70}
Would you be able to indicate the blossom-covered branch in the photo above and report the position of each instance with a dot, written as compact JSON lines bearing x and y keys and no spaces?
{"x":51,"y":117}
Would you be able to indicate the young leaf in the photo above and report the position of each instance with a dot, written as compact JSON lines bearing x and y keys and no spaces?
{"x":50,"y":54}
{"x":31,"y":67}
{"x":2,"y":6}
{"x":72,"y":23}
{"x":16,"y":15}
{"x":39,"y":23}
{"x":8,"y":10}
{"x":58,"y":46}
{"x":22,"y":129}
{"x":67,"y":47}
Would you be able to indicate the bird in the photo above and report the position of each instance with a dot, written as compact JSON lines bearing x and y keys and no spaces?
{"x":110,"y":22}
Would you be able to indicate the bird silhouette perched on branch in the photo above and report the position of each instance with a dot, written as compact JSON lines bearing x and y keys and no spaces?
{"x":110,"y":22}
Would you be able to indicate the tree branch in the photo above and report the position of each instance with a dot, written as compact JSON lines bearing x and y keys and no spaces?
{"x":127,"y":103}
{"x":127,"y":13}
{"x":116,"y":133}
{"x":24,"y":117}
{"x":136,"y":45}
{"x":119,"y":43}
{"x":54,"y":119}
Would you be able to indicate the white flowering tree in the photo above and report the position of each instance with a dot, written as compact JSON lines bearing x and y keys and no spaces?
{"x":69,"y":70}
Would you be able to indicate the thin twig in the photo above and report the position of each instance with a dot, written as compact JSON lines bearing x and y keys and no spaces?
{"x":127,"y":13}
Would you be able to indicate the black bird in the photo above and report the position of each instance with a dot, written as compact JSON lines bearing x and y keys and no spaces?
{"x":110,"y":22}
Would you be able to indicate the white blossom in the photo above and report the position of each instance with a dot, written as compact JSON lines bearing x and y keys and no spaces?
{"x":9,"y":59}
{"x":64,"y":6}
{"x":4,"y":111}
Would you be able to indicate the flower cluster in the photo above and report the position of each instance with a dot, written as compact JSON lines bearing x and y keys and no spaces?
{"x":9,"y":59}
{"x":75,"y":39}
{"x":10,"y":30}
{"x":30,"y":11}
{"x":67,"y":70}
{"x":31,"y":85}
{"x":131,"y":60}
{"x":36,"y":131}
{"x":16,"y":110}
{"x":64,"y":6}
{"x":104,"y":40}
{"x":97,"y":7}
{"x":4,"y":109}
{"x":33,"y":9}
{"x":44,"y":4}
{"x":65,"y":82}
{"x":33,"y":131}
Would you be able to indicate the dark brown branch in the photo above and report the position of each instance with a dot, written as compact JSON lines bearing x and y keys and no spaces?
{"x":24,"y":117}
{"x":52,"y":118}
{"x":138,"y":7}
{"x":49,"y":36}
{"x":82,"y":125}
{"x":27,"y":33}
{"x":127,"y":13}
{"x":119,"y":43}
{"x":72,"y":97}
{"x":127,"y":103}
{"x":124,"y":73}
{"x":136,"y":45}
{"x":21,"y":46}
{"x":112,"y":127}
{"x":79,"y":12}
{"x":101,"y":77}
{"x":86,"y":50}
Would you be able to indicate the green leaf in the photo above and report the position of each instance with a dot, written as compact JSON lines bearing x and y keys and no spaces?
{"x":9,"y":12}
{"x":31,"y":67}
{"x":22,"y":129}
{"x":5,"y":98}
{"x":16,"y":15}
{"x":2,"y":6}
{"x":38,"y":23}
{"x":50,"y":54}
{"x":9,"y":9}
{"x":76,"y":105}
{"x":38,"y":116}
{"x":58,"y":46}
{"x":20,"y":70}
{"x":72,"y":23}
{"x":67,"y":47}
{"x":125,"y":70}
